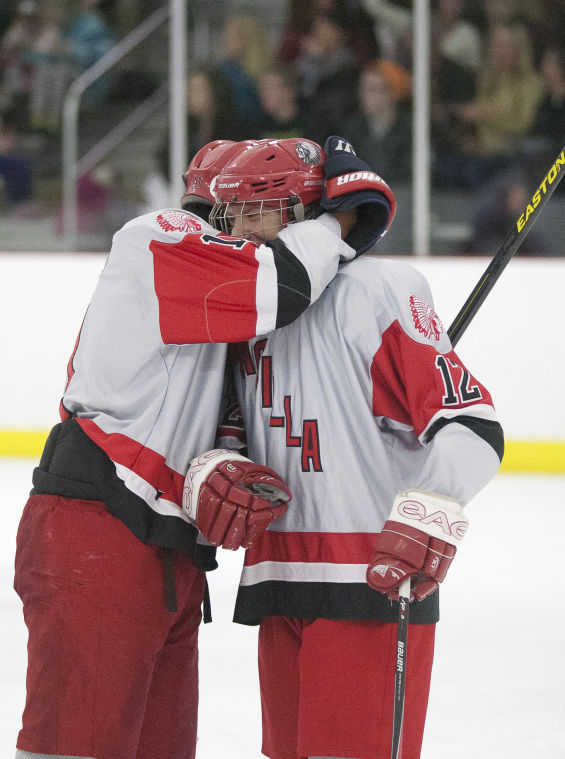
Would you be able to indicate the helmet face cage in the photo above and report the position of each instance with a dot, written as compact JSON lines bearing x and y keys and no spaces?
{"x":278,"y":182}
{"x":274,"y":213}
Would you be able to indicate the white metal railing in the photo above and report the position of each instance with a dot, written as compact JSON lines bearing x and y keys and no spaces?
{"x":421,"y":186}
{"x":139,"y":114}
{"x":73,"y":168}
{"x":178,"y":127}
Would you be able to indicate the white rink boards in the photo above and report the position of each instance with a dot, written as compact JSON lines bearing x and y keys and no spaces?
{"x":498,"y":688}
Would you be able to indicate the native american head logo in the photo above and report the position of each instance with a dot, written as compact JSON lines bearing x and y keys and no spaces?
{"x":426,"y":321}
{"x":178,"y":221}
{"x":308,"y":153}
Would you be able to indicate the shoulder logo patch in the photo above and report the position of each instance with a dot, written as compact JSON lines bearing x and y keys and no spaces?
{"x":178,"y":221}
{"x":426,"y":321}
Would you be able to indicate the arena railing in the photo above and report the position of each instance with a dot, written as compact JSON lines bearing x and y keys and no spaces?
{"x":73,"y":166}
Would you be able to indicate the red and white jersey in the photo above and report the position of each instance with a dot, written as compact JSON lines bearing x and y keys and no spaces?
{"x":146,"y":376}
{"x":352,"y":403}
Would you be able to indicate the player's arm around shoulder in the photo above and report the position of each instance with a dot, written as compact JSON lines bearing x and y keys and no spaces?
{"x":316,"y":246}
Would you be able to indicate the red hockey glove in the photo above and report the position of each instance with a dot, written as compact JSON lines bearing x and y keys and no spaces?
{"x":418,"y":540}
{"x":230,"y":499}
{"x":350,"y":183}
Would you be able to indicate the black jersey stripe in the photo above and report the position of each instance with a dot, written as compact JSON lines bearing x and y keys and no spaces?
{"x":74,"y":467}
{"x":488,"y":430}
{"x":294,"y":286}
{"x":325,"y":600}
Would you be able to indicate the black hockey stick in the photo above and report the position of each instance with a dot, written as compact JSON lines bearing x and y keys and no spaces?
{"x":512,"y":242}
{"x":400,"y":669}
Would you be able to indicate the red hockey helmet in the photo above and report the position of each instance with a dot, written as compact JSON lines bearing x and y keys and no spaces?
{"x":285,"y":174}
{"x":201,"y":173}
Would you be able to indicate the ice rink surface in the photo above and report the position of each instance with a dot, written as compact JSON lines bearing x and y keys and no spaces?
{"x":498,"y":688}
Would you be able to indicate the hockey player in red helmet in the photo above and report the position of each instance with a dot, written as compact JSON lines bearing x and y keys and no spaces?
{"x":275,"y":182}
{"x":119,"y":528}
{"x":349,"y":404}
{"x":201,"y":173}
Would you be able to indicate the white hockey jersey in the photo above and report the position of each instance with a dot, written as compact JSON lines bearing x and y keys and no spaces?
{"x":146,"y":376}
{"x":352,"y":403}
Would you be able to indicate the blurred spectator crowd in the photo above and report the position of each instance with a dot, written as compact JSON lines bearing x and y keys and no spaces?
{"x":335,"y":67}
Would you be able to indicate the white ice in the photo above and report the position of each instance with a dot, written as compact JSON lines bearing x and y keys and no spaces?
{"x":498,"y":688}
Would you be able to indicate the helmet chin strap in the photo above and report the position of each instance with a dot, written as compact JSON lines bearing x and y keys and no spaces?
{"x":300,"y":212}
{"x":295,"y":212}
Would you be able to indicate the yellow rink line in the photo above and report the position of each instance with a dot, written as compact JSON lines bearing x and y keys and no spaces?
{"x":520,"y":455}
{"x":534,"y":456}
{"x":22,"y":442}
